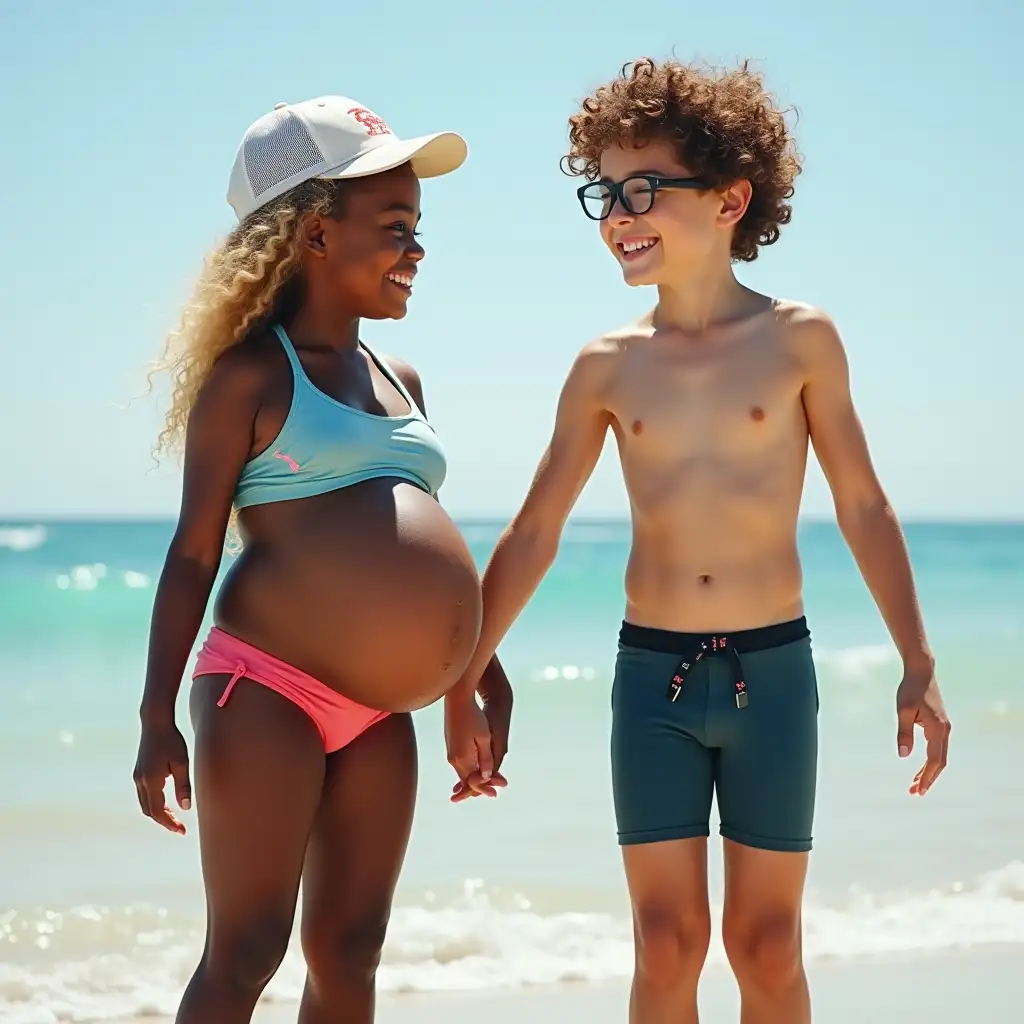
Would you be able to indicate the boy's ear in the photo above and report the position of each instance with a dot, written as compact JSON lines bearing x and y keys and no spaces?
{"x":735,"y":201}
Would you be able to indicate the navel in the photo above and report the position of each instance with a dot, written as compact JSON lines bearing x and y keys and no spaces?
{"x":704,"y":580}
{"x":638,"y":427}
{"x":757,"y":414}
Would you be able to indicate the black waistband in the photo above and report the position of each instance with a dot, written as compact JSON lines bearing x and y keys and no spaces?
{"x":743,"y":641}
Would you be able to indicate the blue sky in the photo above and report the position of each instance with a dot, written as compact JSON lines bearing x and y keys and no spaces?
{"x":121,"y":121}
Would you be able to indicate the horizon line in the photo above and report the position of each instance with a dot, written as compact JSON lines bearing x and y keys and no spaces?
{"x":931,"y":519}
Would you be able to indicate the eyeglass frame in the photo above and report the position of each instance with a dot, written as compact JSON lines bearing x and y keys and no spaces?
{"x":617,"y":189}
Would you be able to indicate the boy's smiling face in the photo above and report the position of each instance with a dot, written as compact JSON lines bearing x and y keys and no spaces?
{"x":681,"y":230}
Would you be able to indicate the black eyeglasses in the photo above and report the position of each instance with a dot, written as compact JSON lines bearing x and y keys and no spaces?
{"x":636,"y":193}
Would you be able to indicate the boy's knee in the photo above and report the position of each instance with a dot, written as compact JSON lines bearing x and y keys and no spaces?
{"x":250,"y":957}
{"x":670,"y":948}
{"x":765,"y":952}
{"x":343,"y":953}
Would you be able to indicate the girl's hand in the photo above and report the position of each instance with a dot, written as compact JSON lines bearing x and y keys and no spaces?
{"x":162,"y":753}
{"x":467,"y":733}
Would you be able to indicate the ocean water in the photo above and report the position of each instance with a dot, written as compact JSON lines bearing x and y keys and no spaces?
{"x":101,"y":911}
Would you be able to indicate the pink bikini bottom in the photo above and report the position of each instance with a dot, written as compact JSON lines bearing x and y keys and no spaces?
{"x":338,"y":719}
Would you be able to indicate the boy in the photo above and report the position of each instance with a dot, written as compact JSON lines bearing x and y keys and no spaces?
{"x":712,"y":397}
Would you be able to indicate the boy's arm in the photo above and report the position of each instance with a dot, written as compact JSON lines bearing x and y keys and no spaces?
{"x":529,"y":544}
{"x":873,"y":533}
{"x":524,"y":554}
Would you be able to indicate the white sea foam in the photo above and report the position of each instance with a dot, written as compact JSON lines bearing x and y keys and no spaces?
{"x":89,"y":577}
{"x":856,"y":663}
{"x":91,"y":964}
{"x":82,"y":577}
{"x":23,"y":538}
{"x":550,"y":673}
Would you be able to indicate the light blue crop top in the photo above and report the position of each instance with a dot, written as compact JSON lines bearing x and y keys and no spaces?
{"x":325,"y":445}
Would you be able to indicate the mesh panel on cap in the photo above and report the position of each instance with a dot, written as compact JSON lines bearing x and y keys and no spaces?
{"x":277,"y":150}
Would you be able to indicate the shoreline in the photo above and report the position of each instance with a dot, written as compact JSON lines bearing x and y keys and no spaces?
{"x":981,"y":984}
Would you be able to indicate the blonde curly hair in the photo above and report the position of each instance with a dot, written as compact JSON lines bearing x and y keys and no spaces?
{"x":249,"y":281}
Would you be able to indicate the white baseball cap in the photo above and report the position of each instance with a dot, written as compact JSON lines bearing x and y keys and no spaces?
{"x":329,"y":137}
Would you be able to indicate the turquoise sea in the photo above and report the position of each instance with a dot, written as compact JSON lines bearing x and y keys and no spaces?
{"x":101,"y":912}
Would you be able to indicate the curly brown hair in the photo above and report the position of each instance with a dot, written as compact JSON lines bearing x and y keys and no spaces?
{"x":725,"y":125}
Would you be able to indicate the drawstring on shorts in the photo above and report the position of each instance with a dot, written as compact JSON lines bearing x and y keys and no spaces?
{"x":711,"y":645}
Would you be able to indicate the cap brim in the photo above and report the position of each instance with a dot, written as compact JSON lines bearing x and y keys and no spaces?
{"x":430,"y":156}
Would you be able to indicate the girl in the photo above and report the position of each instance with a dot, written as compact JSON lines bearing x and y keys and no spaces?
{"x":354,"y":600}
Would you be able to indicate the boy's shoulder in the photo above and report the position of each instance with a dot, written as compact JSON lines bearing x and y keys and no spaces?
{"x":809,"y":332}
{"x":599,"y":361}
{"x":802,"y":319}
{"x":609,"y":346}
{"x":800,"y":315}
{"x":595,"y":369}
{"x":611,"y":343}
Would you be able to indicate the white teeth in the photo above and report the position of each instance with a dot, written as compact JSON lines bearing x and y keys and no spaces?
{"x":402,"y":279}
{"x":643,"y":243}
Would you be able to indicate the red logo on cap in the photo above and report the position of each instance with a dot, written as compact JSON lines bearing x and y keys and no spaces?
{"x":373,"y":124}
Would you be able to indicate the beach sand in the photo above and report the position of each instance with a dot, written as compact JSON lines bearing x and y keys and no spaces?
{"x":978,"y":987}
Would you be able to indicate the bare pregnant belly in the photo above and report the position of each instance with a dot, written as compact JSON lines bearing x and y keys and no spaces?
{"x":372,"y":590}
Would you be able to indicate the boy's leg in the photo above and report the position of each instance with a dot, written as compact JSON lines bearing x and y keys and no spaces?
{"x":766,"y":779}
{"x":663,"y":779}
{"x":668,"y":888}
{"x":761,"y":927}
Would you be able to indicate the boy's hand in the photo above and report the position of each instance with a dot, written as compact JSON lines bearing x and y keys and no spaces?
{"x":918,"y":702}
{"x":467,"y":733}
{"x":497,"y":697}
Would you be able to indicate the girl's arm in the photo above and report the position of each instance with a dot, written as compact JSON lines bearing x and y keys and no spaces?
{"x":217,"y":444}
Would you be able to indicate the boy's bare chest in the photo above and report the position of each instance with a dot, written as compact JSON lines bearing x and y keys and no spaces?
{"x":736,"y":401}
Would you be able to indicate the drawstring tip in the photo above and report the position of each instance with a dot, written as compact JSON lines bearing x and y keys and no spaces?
{"x":238,"y":673}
